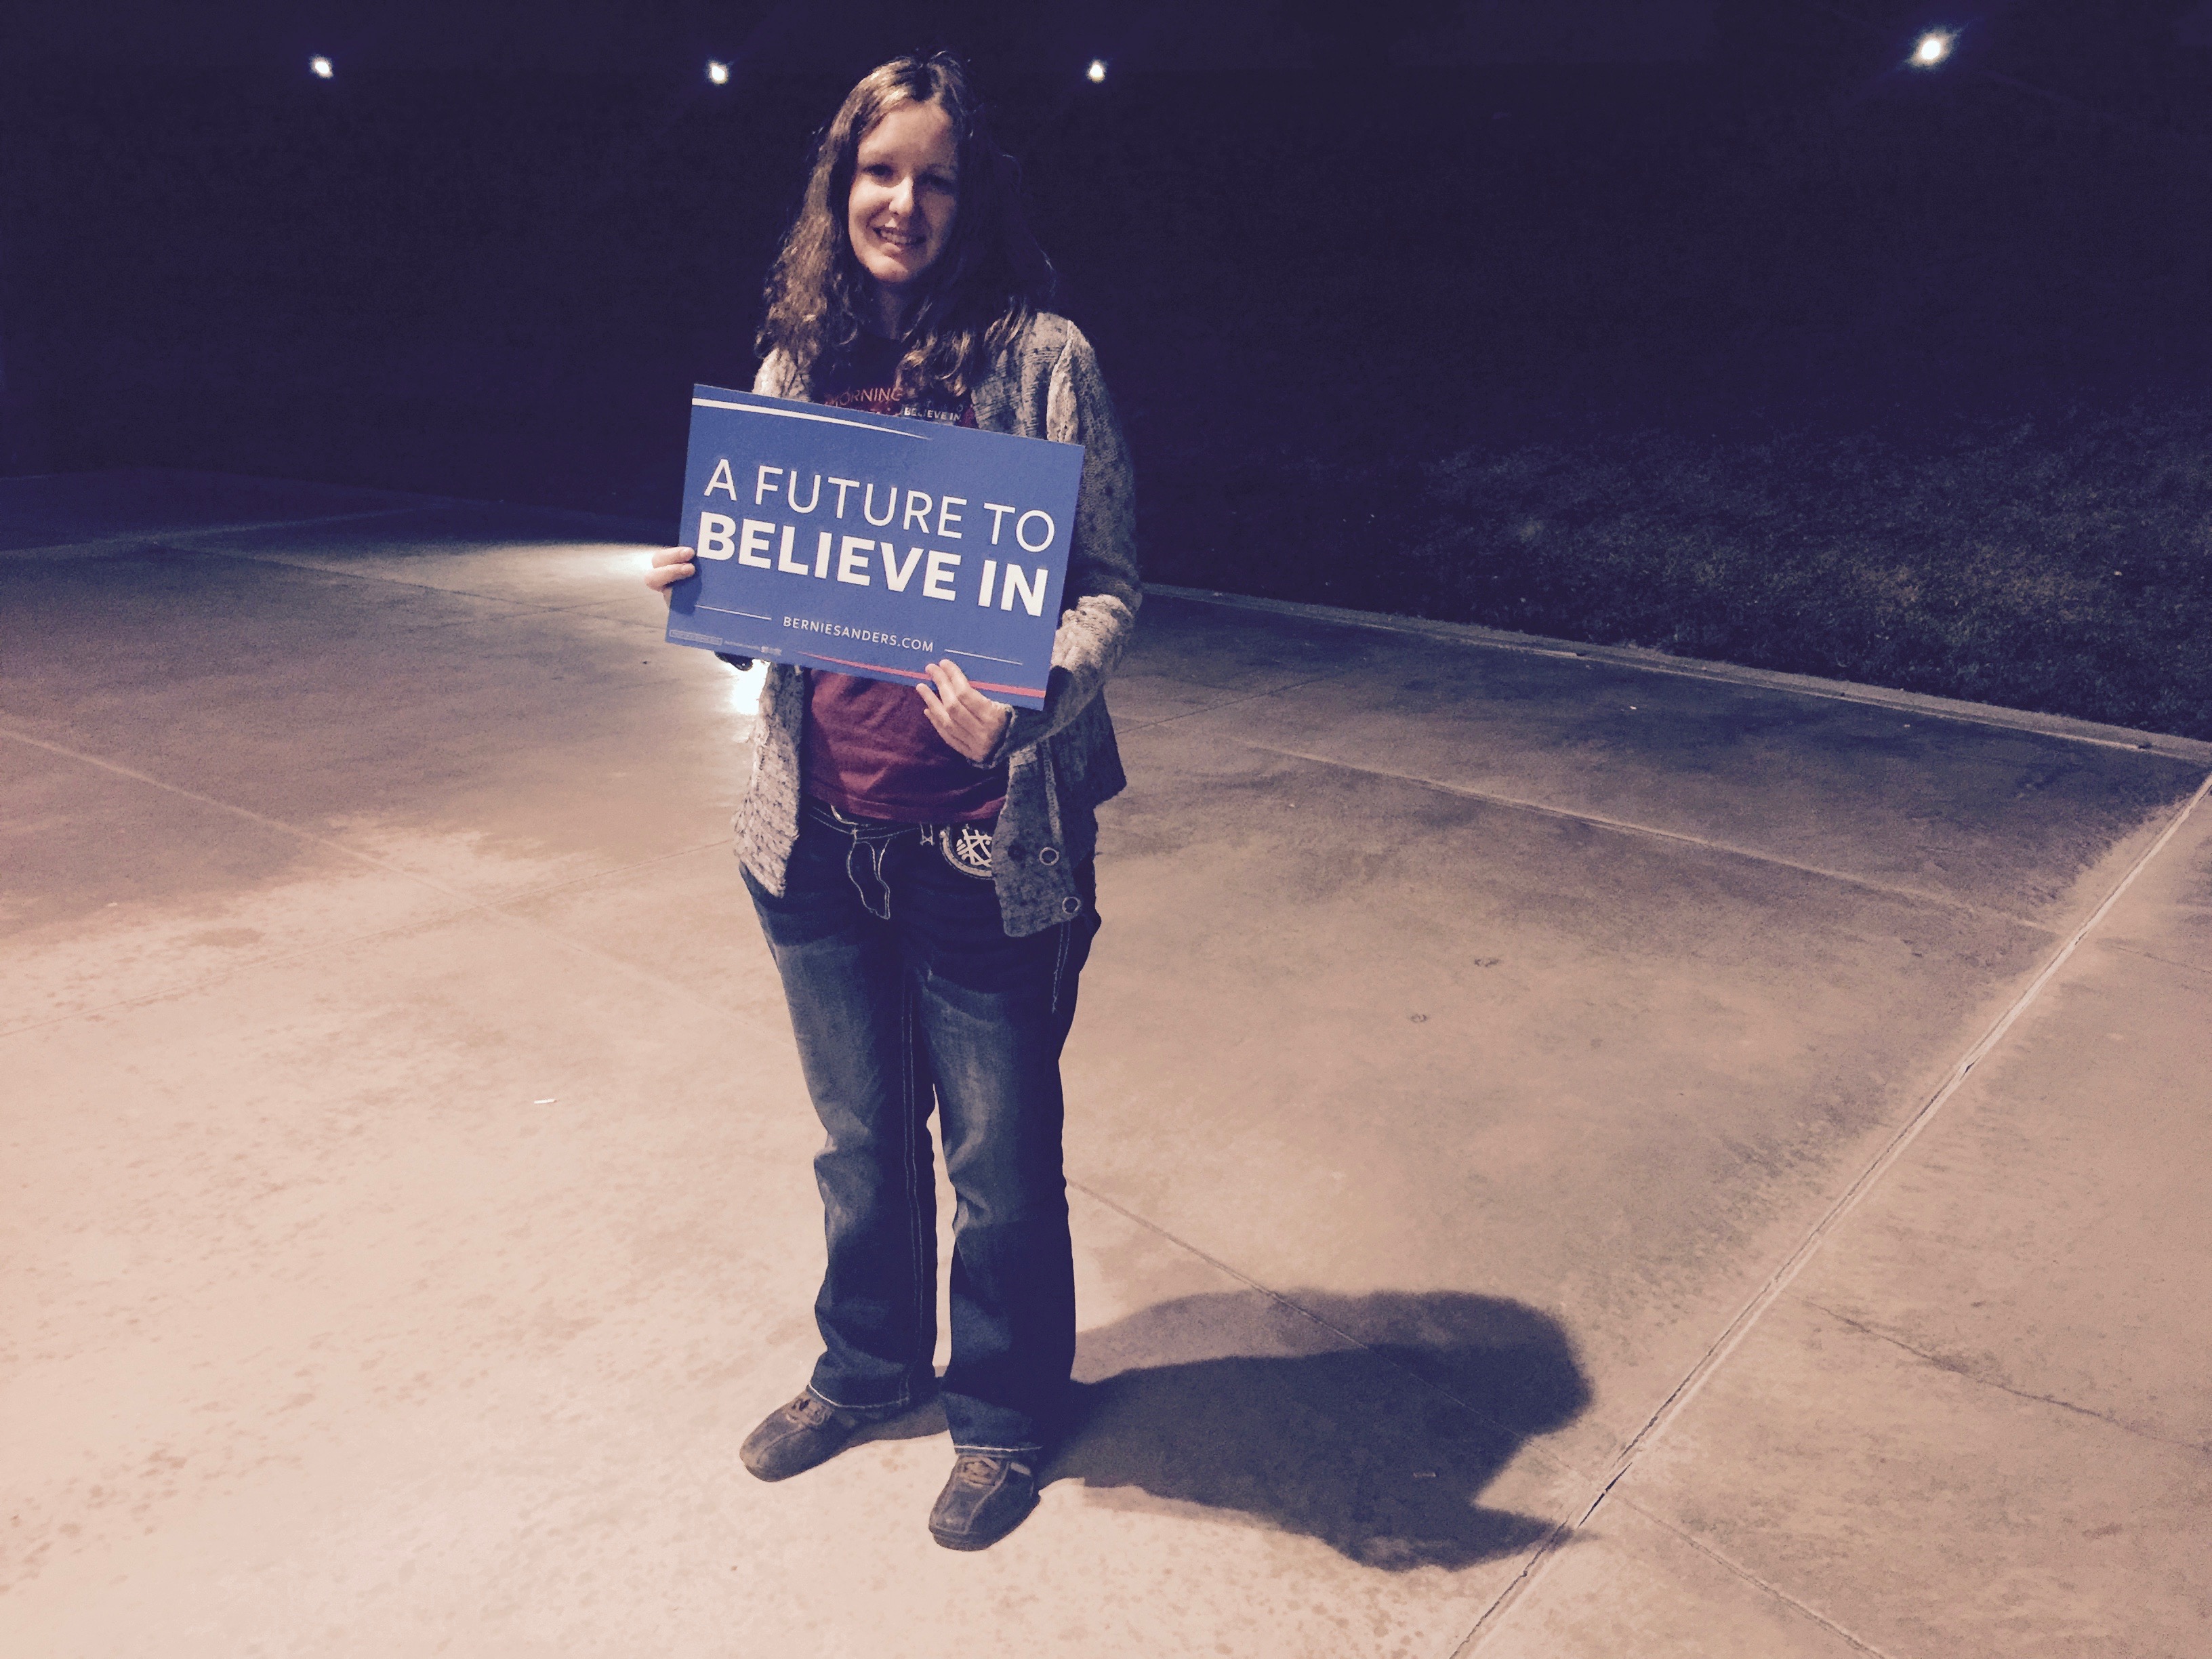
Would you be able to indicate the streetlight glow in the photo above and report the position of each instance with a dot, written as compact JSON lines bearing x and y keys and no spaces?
{"x":1097,"y":72}
{"x":320,"y":67}
{"x":1935,"y":46}
{"x":717,"y":71}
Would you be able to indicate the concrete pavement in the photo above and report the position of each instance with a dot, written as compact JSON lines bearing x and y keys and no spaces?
{"x":1575,"y":1153}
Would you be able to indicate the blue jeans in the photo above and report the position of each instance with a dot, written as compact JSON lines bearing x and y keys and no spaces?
{"x":904,"y":989}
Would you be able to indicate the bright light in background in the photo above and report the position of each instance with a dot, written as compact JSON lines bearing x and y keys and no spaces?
{"x":717,"y":71}
{"x":1097,"y":72}
{"x":1935,"y":46}
{"x":596,"y":563}
{"x":320,"y":67}
{"x":746,"y":694}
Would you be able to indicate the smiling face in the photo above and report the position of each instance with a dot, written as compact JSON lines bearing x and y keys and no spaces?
{"x":906,"y":190}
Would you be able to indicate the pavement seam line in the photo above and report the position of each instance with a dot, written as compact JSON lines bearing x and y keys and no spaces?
{"x":235,"y":811}
{"x":156,"y":539}
{"x":2197,"y":968}
{"x":521,"y":607}
{"x":1720,"y":1559}
{"x":517,"y":608}
{"x":1748,"y":1317}
{"x":1523,"y":1441}
{"x":462,"y":907}
{"x":1624,"y":826}
{"x":1965,"y":1376}
{"x":465,"y":901}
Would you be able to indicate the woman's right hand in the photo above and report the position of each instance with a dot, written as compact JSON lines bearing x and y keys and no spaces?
{"x":670,"y":565}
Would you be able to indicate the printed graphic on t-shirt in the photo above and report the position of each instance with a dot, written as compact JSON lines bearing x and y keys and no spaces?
{"x":884,"y":400}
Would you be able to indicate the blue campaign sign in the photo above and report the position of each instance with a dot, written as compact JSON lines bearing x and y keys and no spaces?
{"x":873,"y":544}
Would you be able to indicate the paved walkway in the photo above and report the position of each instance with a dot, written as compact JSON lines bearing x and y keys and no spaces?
{"x":1574,"y":1154}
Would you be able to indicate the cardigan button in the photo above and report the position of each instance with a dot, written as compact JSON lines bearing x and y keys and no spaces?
{"x":1070,"y":907}
{"x":1049,"y":855}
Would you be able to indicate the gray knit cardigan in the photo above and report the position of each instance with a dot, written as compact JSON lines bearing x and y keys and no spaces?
{"x":1061,"y":761}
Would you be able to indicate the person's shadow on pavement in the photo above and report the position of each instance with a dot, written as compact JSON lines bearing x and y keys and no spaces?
{"x":1237,"y":1401}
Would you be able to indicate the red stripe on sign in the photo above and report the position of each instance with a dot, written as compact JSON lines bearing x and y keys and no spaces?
{"x":909,"y":674}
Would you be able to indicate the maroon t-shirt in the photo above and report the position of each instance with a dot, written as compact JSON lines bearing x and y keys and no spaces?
{"x":869,"y":749}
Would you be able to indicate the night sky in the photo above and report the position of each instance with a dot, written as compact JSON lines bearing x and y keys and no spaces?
{"x":812,"y":39}
{"x":487,"y":254}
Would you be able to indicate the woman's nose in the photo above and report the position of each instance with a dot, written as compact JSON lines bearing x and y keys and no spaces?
{"x":903,"y":196}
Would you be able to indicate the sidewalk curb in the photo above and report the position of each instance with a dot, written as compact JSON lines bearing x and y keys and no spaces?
{"x":1659,"y":662}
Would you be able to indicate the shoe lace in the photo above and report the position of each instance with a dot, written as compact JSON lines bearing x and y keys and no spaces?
{"x":973,"y":1469}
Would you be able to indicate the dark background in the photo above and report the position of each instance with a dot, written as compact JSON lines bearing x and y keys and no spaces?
{"x":1379,"y":288}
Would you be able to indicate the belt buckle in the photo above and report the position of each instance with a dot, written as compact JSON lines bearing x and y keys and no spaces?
{"x":967,"y":848}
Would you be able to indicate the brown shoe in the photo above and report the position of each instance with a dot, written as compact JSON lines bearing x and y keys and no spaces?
{"x":987,"y":1498}
{"x":793,"y":1438}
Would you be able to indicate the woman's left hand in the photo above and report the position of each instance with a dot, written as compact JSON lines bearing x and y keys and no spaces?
{"x":964,"y":716}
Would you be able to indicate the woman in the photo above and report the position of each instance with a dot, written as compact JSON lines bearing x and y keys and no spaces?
{"x":921,"y":857}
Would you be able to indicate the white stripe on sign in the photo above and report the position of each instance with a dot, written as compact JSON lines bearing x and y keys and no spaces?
{"x":793,"y":415}
{"x":727,"y":612}
{"x":1010,"y":662}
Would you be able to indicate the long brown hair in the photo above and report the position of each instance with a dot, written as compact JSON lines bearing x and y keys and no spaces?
{"x":983,"y":288}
